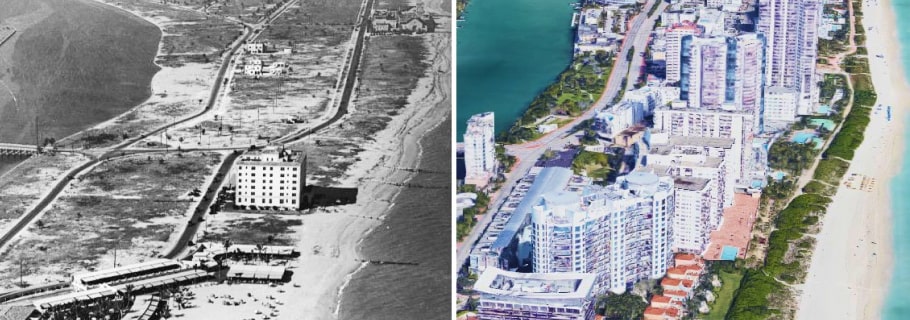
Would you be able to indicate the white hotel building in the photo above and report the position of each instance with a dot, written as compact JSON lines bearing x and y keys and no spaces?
{"x":621,"y":233}
{"x":271,"y":178}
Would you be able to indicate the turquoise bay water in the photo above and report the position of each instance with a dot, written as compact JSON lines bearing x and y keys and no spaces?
{"x":897,"y":306}
{"x":508,"y":51}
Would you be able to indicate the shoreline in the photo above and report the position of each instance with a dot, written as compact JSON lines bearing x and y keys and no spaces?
{"x":511,"y":110}
{"x":853,"y":260}
{"x":343,"y":229}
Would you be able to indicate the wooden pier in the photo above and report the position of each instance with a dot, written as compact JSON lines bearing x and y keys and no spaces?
{"x":11,"y":149}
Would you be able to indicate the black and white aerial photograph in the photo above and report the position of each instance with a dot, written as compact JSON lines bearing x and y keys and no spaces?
{"x":226,"y":159}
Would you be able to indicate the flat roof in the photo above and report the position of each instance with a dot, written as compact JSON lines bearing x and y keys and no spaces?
{"x":690,"y":183}
{"x":536,"y":285}
{"x":549,"y":180}
{"x":72,"y":297}
{"x":178,"y":277}
{"x":701,"y":141}
{"x":735,"y":229}
{"x":126,"y":270}
{"x":257,"y":272}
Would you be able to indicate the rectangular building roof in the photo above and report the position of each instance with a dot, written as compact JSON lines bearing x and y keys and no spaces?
{"x":535,"y":285}
{"x":127,"y":271}
{"x":72,"y":297}
{"x":256,"y":272}
{"x":690,"y":183}
{"x":168,"y":279}
{"x":701,"y":141}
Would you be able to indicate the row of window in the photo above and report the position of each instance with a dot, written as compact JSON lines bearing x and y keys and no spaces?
{"x":269,"y":194}
{"x":270,"y":175}
{"x":240,"y":186}
{"x":264,"y":201}
{"x":266,"y":168}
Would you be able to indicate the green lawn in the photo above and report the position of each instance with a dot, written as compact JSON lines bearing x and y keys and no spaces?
{"x":724,"y":295}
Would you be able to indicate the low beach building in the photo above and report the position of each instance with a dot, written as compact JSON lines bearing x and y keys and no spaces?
{"x":506,"y":295}
{"x":271,"y":178}
{"x":82,"y":281}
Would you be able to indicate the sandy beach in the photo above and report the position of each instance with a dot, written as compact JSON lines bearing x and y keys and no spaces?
{"x":338,"y":231}
{"x":851,"y":267}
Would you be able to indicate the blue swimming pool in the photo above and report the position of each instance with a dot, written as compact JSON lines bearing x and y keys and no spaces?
{"x":802,"y":137}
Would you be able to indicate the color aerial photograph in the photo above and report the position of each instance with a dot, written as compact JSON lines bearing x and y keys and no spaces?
{"x":226,"y":159}
{"x":682,"y":159}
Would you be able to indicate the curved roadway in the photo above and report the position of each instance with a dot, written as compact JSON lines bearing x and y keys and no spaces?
{"x":249,"y":31}
{"x":527,"y":153}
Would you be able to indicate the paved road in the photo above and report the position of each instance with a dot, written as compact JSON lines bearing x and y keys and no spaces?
{"x":30,"y":216}
{"x":528,"y":153}
{"x":349,"y":83}
{"x":213,"y":188}
{"x":211,"y":194}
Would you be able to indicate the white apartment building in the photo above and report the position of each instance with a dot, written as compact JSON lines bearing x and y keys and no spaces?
{"x":748,"y":75}
{"x":697,"y":212}
{"x":703,"y":185}
{"x":271,"y":177}
{"x":707,"y":72}
{"x":735,"y":125}
{"x":480,"y":149}
{"x":697,"y":157}
{"x":781,"y":104}
{"x":675,"y":33}
{"x":506,"y":295}
{"x":791,"y":30}
{"x":622,"y":233}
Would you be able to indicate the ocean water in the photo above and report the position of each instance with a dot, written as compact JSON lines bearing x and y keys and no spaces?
{"x":508,"y":51}
{"x":8,"y":162}
{"x":897,"y":305}
{"x":80,"y":65}
{"x":418,"y":229}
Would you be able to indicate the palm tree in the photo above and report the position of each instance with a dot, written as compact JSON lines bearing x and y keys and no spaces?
{"x":227,"y":246}
{"x":259,"y":248}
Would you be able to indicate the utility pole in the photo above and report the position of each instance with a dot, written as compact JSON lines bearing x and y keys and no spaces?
{"x":37,"y":137}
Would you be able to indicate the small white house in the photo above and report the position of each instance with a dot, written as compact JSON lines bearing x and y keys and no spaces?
{"x":256,"y":47}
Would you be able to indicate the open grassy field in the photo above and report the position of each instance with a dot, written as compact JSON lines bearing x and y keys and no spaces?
{"x":724,"y":295}
{"x":131,"y":204}
{"x":23,"y":187}
{"x":249,"y":11}
{"x":83,"y":64}
{"x":390,"y":70}
{"x":258,"y":108}
{"x":250,"y":228}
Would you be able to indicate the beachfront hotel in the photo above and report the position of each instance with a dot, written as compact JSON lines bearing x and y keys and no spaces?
{"x":271,"y":178}
{"x":480,"y":149}
{"x":622,"y":233}
{"x":506,"y":295}
{"x":791,"y":30}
